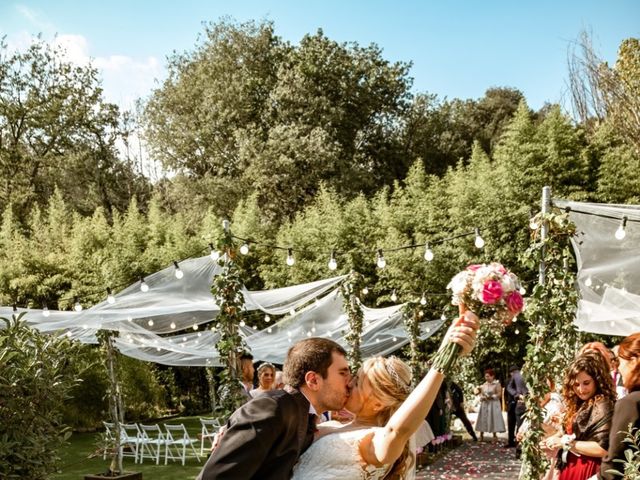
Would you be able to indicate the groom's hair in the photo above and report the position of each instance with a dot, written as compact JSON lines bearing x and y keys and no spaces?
{"x":309,"y":355}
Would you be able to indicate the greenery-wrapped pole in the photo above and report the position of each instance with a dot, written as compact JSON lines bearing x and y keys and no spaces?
{"x":227,"y":290}
{"x":412,"y":314}
{"x":551,"y":308}
{"x":350,"y":289}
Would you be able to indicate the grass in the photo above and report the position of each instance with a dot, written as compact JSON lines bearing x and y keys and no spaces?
{"x":75,"y":461}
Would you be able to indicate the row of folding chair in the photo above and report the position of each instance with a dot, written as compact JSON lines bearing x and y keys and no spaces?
{"x":147,"y":441}
{"x":210,"y":427}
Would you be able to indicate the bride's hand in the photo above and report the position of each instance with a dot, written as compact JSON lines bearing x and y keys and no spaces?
{"x":463,"y":332}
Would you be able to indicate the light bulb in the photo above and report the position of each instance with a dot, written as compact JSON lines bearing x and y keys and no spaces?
{"x":479,"y":243}
{"x":267,"y":318}
{"x":143,"y":285}
{"x":214,"y":254}
{"x":45,"y":311}
{"x":533,"y":223}
{"x":620,"y":232}
{"x":333,"y":264}
{"x":290,"y":259}
{"x":309,"y":334}
{"x":173,"y":325}
{"x":269,"y":330}
{"x":423,"y":300}
{"x":111,"y":299}
{"x":588,"y":282}
{"x":517,"y":331}
{"x":199,"y":334}
{"x":178,"y":273}
{"x":78,"y":306}
{"x":365,"y":291}
{"x":313,"y":329}
{"x":195,"y":327}
{"x":380,"y":261}
{"x":394,"y":339}
{"x":242,"y":324}
{"x":255,"y":327}
{"x":292,"y":312}
{"x":150,"y":323}
{"x":428,"y":253}
{"x":443,"y":317}
{"x":394,"y":297}
{"x":244,"y":249}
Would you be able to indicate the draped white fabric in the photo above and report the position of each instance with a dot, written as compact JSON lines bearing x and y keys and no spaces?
{"x":174,"y":305}
{"x":608,"y":268}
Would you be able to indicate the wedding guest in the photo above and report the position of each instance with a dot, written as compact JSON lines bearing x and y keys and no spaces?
{"x":490,"y":413}
{"x":457,"y":408}
{"x":627,"y":409}
{"x":618,"y":381}
{"x":598,"y":347}
{"x":266,"y":378}
{"x":247,"y":370}
{"x":588,"y":396}
{"x":518,"y":390}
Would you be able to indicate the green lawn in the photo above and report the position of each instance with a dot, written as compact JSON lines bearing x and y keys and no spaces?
{"x":75,"y":462}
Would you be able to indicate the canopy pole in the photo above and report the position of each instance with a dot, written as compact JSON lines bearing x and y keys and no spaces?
{"x":544,"y":229}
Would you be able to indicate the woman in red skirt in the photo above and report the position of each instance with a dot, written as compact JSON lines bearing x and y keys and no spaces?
{"x":589,"y":396}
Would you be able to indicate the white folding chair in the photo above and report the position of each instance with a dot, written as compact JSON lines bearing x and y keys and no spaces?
{"x":151,"y":442}
{"x":177,"y":436}
{"x":210,"y":427}
{"x":130,"y":438}
{"x":109,"y":433}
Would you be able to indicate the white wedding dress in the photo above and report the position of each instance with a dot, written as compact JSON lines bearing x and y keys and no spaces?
{"x":336,"y":456}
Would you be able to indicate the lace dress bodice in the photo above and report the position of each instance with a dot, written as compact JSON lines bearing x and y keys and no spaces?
{"x":337,"y":456}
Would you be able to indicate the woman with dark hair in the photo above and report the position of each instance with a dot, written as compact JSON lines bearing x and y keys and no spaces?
{"x":588,"y":395}
{"x":490,"y":414}
{"x":627,"y":409}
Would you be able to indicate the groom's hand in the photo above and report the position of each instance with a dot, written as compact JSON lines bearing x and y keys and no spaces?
{"x":464,"y":331}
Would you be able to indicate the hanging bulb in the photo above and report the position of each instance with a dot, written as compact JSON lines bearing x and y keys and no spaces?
{"x":195,"y":327}
{"x":255,"y":327}
{"x":150,"y":323}
{"x":242,"y":324}
{"x":533,"y":223}
{"x":423,"y":300}
{"x":479,"y":243}
{"x":443,"y":317}
{"x":365,"y":291}
{"x":214,"y":254}
{"x":332,"y":261}
{"x":178,"y":273}
{"x":110,"y":298}
{"x":517,"y":331}
{"x":244,"y":249}
{"x":394,"y":297}
{"x":267,"y":318}
{"x":394,"y":339}
{"x":269,"y":330}
{"x":428,"y":253}
{"x":292,"y":312}
{"x":290,"y":259}
{"x":620,"y":232}
{"x":380,"y":261}
{"x":78,"y":306}
{"x":588,"y":282}
{"x":45,"y":310}
{"x":173,"y":325}
{"x":143,"y":285}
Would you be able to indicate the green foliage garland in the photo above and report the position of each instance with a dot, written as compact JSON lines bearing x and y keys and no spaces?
{"x":550,"y":311}
{"x":350,"y":289}
{"x":412,"y":315}
{"x":227,"y":290}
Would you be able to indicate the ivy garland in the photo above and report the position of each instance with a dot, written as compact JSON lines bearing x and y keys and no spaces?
{"x":550,"y":312}
{"x":350,"y":290}
{"x":227,"y":290}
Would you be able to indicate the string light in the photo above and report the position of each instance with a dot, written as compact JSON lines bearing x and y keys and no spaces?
{"x":244,"y":249}
{"x":77,"y":306}
{"x":333,"y":264}
{"x":533,"y":223}
{"x":195,"y":327}
{"x":269,"y":330}
{"x":290,"y":260}
{"x":143,"y":285}
{"x":267,"y":318}
{"x":423,"y":300}
{"x":45,"y":311}
{"x":588,"y":282}
{"x":172,"y":325}
{"x":150,"y":323}
{"x":620,"y":232}
{"x":394,"y":296}
{"x":394,"y":339}
{"x":365,"y":291}
{"x":479,"y":242}
{"x":178,"y":273}
{"x":110,"y":298}
{"x":380,"y":261}
{"x":428,"y":253}
{"x":242,"y":323}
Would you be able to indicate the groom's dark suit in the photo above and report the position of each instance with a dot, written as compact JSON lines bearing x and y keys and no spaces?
{"x":264,"y":438}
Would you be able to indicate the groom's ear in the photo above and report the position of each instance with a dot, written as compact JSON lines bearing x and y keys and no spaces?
{"x":311,"y":380}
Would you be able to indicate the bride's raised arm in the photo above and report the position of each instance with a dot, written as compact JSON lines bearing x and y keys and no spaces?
{"x":386,"y":444}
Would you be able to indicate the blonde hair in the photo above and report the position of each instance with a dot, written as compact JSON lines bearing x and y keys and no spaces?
{"x":390,"y":380}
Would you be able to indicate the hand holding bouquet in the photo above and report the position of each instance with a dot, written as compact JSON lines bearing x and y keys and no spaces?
{"x":489,"y":291}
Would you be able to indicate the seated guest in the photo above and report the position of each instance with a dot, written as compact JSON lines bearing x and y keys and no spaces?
{"x":588,"y":396}
{"x":627,"y":409}
{"x":266,"y":378}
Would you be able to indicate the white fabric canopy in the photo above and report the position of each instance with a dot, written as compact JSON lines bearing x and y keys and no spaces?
{"x":608,"y":268}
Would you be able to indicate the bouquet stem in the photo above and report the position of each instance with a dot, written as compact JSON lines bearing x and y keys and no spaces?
{"x":445,"y":358}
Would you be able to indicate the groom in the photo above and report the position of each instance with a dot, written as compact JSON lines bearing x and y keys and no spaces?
{"x":266,"y":436}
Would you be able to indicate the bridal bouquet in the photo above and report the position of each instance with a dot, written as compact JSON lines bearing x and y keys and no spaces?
{"x":490,"y":291}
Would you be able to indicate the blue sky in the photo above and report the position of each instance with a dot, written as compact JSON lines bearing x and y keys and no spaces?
{"x":458,"y":48}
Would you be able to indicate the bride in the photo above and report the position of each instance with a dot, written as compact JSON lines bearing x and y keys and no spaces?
{"x":376,"y":444}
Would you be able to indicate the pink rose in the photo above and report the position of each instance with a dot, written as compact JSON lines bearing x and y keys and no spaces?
{"x":491,"y":292}
{"x":514,"y":302}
